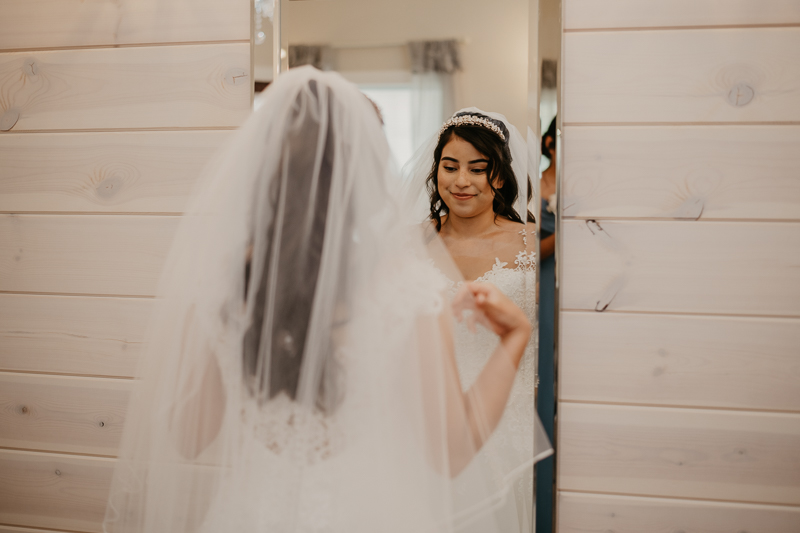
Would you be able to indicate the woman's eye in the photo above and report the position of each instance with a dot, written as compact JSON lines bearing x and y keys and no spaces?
{"x":450,"y":169}
{"x":478,"y":170}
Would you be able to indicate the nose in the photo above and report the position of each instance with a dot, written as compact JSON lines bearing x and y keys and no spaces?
{"x":463,"y":179}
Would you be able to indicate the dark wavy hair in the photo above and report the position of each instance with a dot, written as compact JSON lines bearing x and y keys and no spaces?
{"x":499,"y":170}
{"x":551,"y":132}
{"x":298,"y":268}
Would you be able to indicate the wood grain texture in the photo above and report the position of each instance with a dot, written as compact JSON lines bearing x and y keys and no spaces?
{"x":704,"y":361}
{"x":696,"y":76}
{"x":691,"y":267}
{"x":687,"y":453}
{"x":682,"y":172}
{"x":593,"y":14}
{"x":64,"y":23}
{"x":62,"y":414}
{"x":79,"y":254}
{"x":54,"y":491}
{"x":595,"y":513}
{"x":146,"y":172}
{"x":72,"y":334}
{"x":123,"y":88}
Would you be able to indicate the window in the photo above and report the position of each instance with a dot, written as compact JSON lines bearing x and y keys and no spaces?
{"x":394,"y":101}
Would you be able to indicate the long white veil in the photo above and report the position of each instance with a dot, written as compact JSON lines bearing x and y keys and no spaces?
{"x":296,"y":376}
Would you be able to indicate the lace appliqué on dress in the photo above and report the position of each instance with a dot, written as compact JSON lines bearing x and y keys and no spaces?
{"x":301,"y":435}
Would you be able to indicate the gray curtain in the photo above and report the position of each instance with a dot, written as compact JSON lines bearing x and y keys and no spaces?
{"x":549,"y":73}
{"x":442,"y":57}
{"x":433,"y":65}
{"x":310,"y":54}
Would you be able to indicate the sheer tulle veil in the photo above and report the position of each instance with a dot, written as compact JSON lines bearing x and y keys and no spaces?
{"x":294,"y":377}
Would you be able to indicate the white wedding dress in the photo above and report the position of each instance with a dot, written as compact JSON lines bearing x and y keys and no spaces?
{"x":512,"y":442}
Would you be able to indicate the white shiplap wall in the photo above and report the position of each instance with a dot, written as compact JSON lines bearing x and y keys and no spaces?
{"x":109,"y":110}
{"x":679,"y":365}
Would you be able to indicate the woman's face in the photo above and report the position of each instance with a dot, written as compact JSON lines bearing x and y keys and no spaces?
{"x":463,"y":180}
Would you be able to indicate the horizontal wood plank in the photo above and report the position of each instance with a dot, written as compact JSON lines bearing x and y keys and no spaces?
{"x":691,"y":267}
{"x":84,"y":254}
{"x":17,"y":529}
{"x":682,"y":172}
{"x":62,"y":414}
{"x":687,"y":453}
{"x":694,"y":76}
{"x":599,"y":513}
{"x":72,"y":334}
{"x":595,"y":14}
{"x":54,"y":491}
{"x":64,"y":23}
{"x":146,"y":172}
{"x":200,"y":86}
{"x":703,"y":361}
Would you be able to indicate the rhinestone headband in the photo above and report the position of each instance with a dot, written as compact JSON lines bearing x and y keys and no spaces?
{"x":472,"y":120}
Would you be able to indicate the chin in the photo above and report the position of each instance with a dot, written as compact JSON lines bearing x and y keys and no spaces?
{"x":463,"y":213}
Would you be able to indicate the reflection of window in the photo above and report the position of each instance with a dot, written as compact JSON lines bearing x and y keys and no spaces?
{"x":394,"y":101}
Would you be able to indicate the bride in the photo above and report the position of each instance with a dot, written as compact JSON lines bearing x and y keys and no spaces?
{"x":472,"y":178}
{"x":300,"y":374}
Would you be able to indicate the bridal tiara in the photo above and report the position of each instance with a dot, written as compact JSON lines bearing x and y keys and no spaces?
{"x":472,"y":120}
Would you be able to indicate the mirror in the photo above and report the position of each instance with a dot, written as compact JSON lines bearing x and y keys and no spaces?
{"x":420,"y":61}
{"x":544,"y":120}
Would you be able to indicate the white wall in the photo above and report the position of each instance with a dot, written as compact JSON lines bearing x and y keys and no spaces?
{"x":110,"y":110}
{"x":679,"y":351}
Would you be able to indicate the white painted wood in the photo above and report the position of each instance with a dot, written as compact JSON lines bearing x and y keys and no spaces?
{"x":693,"y":267}
{"x":62,"y":414}
{"x":72,"y":334}
{"x":150,"y":172}
{"x":685,"y":172}
{"x":123,"y":88}
{"x":682,"y":76}
{"x":593,"y":14}
{"x":687,"y":453}
{"x":596,"y":513}
{"x":706,"y":361}
{"x":63,"y":23}
{"x":84,"y":254}
{"x":54,"y":491}
{"x":16,"y":529}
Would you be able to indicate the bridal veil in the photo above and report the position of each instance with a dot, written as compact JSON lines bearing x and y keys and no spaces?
{"x":294,"y":378}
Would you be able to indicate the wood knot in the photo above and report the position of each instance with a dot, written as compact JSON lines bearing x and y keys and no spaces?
{"x":58,"y":472}
{"x":741,"y":94}
{"x":101,"y":424}
{"x":9,"y":119}
{"x":24,"y":409}
{"x":109,"y":187}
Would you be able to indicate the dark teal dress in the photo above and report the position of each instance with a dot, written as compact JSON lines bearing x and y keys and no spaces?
{"x":546,"y":395}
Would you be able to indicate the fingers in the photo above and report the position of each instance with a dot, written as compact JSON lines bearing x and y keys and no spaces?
{"x":503,"y":315}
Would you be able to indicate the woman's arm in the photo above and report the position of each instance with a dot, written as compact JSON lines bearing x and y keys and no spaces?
{"x":547,"y":246}
{"x":473,"y":416}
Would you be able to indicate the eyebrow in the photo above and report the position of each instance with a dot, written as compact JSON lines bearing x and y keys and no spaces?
{"x":471,"y":162}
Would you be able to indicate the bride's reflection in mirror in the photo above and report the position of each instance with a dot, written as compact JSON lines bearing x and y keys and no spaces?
{"x":476,"y":190}
{"x":420,"y":61}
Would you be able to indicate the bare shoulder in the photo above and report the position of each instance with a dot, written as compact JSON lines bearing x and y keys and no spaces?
{"x":510,"y":227}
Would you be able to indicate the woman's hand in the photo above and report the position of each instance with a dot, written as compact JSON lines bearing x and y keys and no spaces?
{"x":491,"y":308}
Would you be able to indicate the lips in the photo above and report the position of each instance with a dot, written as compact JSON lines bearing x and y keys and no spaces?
{"x":461,"y":196}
